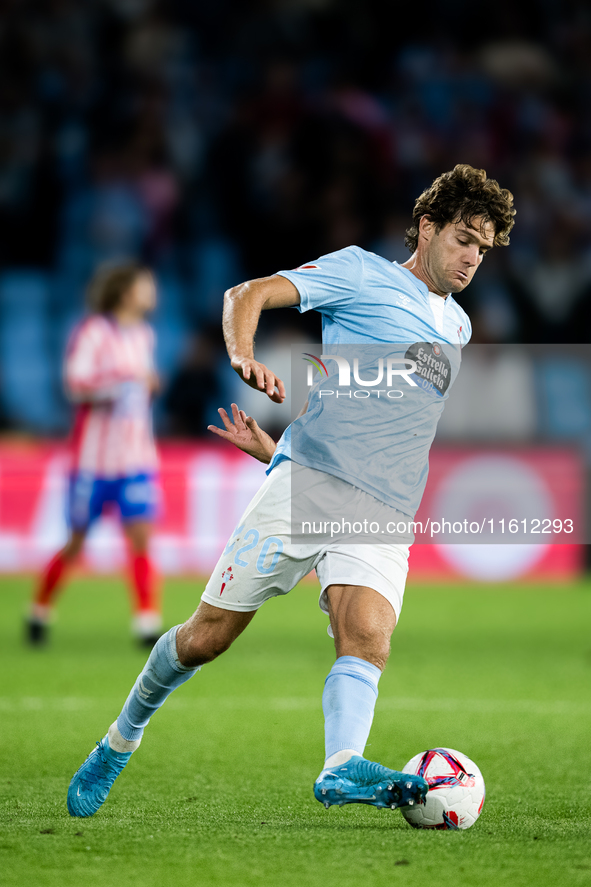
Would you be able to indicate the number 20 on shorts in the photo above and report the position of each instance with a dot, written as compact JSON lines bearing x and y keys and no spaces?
{"x":250,"y":541}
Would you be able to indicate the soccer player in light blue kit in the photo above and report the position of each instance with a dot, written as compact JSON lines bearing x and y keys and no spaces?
{"x":363,"y":299}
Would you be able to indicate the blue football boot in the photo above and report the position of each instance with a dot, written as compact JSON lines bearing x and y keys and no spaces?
{"x":365,"y":782}
{"x":92,"y":782}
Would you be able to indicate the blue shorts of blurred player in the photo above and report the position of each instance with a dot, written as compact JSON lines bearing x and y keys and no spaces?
{"x":136,"y":496}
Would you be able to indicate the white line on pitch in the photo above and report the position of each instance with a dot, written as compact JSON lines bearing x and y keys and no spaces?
{"x":558,"y":707}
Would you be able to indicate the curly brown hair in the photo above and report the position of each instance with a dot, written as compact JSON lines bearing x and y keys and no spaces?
{"x":464,"y":194}
{"x":110,"y":283}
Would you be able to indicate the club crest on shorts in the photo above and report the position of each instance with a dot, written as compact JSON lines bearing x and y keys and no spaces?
{"x":227,"y":576}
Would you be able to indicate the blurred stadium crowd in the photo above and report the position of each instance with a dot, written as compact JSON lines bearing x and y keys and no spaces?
{"x":223,"y":141}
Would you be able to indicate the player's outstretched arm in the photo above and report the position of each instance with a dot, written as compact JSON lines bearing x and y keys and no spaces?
{"x":242,"y":308}
{"x":245,"y":434}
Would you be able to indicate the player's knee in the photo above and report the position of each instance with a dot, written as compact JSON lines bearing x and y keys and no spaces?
{"x":140,"y":549}
{"x":138,"y":535}
{"x":379,"y":656}
{"x":376,"y":654}
{"x":73,"y":548}
{"x":364,"y":642}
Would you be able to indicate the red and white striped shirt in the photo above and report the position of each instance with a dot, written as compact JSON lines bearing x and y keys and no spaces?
{"x":107,"y":370}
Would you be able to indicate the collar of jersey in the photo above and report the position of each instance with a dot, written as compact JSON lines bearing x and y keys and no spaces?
{"x":422,"y":287}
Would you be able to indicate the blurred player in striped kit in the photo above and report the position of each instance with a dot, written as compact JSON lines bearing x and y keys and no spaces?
{"x":110,"y":376}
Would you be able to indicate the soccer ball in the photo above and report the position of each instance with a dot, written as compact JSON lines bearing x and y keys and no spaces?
{"x":456,"y":790}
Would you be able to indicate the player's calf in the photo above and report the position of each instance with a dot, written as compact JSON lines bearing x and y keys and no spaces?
{"x":208,"y":633}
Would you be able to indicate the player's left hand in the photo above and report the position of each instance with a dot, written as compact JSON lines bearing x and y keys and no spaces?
{"x":245,"y":434}
{"x":258,"y":376}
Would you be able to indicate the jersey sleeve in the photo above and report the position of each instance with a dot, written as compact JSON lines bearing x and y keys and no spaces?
{"x":329,"y":283}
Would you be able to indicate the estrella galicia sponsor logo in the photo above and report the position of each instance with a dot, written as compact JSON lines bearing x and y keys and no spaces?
{"x":433,"y":369}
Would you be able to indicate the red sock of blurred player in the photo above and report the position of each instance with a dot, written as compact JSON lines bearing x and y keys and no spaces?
{"x":50,"y":582}
{"x":145,"y":585}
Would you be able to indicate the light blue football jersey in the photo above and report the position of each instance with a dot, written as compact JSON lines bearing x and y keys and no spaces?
{"x":377,"y":318}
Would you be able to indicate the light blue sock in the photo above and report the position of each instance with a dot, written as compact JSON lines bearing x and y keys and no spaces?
{"x":162,"y":674}
{"x":348,"y":702}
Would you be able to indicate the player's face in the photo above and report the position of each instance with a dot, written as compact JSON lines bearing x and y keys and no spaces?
{"x":454,"y":253}
{"x":140,"y":298}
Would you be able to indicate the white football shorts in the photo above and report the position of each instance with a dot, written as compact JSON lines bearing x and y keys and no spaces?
{"x":260,"y":561}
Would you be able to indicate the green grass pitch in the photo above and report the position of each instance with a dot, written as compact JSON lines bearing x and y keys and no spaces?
{"x":220,"y":792}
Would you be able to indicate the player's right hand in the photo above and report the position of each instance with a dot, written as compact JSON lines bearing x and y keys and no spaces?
{"x":258,"y":376}
{"x":245,"y":434}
